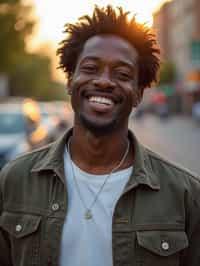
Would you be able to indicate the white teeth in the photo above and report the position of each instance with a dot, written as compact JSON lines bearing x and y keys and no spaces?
{"x":98,"y":99}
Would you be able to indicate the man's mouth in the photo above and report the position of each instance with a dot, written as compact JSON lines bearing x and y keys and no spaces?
{"x":101,"y":100}
{"x":101,"y":103}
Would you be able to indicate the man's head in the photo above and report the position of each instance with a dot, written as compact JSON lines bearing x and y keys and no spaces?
{"x":108,"y":60}
{"x":115,"y":22}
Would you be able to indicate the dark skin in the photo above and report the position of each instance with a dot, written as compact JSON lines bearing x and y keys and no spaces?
{"x":103,"y":92}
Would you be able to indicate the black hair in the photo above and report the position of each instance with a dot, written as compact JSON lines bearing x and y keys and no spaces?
{"x":111,"y":21}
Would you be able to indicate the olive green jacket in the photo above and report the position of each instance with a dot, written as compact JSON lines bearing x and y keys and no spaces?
{"x":156,"y":221}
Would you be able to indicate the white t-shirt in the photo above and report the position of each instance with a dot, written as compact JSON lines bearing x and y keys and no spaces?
{"x":89,"y":242}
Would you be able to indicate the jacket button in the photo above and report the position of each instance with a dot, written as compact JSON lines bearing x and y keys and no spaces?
{"x":55,"y":207}
{"x":165,"y":245}
{"x":18,"y":228}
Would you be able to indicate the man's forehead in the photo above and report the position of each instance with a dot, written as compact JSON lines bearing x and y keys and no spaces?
{"x":109,"y":46}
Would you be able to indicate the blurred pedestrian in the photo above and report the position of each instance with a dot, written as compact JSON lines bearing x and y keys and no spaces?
{"x":97,"y":196}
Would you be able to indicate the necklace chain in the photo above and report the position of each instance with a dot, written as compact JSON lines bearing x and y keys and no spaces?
{"x":88,"y":213}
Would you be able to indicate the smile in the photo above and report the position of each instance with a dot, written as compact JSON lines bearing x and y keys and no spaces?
{"x":100,"y":100}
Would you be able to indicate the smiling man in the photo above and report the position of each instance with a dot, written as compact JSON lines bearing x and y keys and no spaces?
{"x":102,"y":87}
{"x":96,"y":196}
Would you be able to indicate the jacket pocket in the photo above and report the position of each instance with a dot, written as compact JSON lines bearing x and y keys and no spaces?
{"x":23,"y":233}
{"x":160,"y":247}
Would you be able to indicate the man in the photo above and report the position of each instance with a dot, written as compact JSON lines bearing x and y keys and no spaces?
{"x":96,"y":196}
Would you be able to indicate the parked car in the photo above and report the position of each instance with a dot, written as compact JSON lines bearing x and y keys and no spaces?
{"x":20,"y":129}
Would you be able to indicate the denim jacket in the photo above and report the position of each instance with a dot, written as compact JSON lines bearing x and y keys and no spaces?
{"x":156,"y":221}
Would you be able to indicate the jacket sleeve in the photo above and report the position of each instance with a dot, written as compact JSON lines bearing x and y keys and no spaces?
{"x":191,"y":256}
{"x":5,"y":252}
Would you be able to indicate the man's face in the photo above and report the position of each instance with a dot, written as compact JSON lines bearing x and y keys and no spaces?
{"x":104,"y":84}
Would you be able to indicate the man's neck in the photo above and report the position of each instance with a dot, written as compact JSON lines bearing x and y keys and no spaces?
{"x":99,"y":155}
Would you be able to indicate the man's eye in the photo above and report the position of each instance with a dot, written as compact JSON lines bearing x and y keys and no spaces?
{"x":123,"y":76}
{"x":89,"y":68}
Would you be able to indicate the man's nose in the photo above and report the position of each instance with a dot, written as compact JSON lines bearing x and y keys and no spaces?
{"x":104,"y":80}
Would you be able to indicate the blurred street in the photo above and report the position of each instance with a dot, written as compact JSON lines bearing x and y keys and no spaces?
{"x":26,"y":124}
{"x":177,"y":139}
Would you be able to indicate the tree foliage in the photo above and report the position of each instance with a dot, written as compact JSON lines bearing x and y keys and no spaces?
{"x":16,"y":24}
{"x":167,"y":73}
{"x":28,"y":74}
{"x":33,"y":78}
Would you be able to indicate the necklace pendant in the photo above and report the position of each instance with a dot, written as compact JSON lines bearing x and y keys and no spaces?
{"x":88,"y":215}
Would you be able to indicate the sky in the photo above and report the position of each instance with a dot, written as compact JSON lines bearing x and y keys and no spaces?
{"x":53,"y":15}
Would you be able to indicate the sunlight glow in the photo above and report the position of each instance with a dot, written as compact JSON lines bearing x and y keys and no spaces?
{"x":54,"y":14}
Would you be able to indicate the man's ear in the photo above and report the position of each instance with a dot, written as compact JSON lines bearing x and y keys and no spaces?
{"x":69,"y":87}
{"x":69,"y":90}
{"x":138,"y":97}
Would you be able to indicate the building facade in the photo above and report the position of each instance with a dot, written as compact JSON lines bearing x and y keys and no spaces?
{"x":177,"y":27}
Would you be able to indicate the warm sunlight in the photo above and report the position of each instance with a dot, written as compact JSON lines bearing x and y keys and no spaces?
{"x":54,"y":14}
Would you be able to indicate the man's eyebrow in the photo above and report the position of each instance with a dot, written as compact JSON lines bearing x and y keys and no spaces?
{"x":87,"y":58}
{"x":131,"y":65}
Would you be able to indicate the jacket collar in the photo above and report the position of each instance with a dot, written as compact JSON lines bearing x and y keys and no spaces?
{"x":142,"y":171}
{"x":53,"y":160}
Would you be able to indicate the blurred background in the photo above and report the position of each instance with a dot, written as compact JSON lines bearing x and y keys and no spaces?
{"x":34,"y":107}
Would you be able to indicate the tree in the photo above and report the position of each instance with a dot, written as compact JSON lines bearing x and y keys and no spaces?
{"x":16,"y":25}
{"x":28,"y":74}
{"x":33,"y":78}
{"x":167,"y":73}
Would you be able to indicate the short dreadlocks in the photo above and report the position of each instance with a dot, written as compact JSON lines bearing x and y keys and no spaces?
{"x":111,"y":21}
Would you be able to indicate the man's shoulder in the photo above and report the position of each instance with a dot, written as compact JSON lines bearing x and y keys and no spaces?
{"x":171,"y":170}
{"x":24,"y":163}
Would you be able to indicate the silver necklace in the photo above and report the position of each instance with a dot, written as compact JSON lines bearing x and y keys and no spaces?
{"x":88,"y":210}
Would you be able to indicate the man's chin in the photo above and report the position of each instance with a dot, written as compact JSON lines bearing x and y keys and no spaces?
{"x":96,"y":128}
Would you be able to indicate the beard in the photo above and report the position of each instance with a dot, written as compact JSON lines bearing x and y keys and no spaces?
{"x":98,"y":129}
